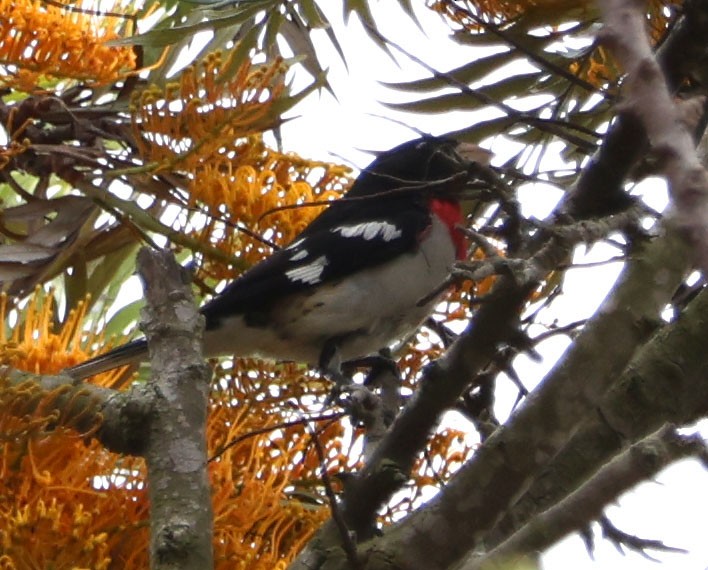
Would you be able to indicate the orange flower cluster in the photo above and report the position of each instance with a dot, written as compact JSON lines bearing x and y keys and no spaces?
{"x":63,"y":507}
{"x":267,"y":494}
{"x":268,"y":469}
{"x":599,"y":69}
{"x":54,"y":41}
{"x":208,"y":126}
{"x":68,"y":504}
{"x":207,"y":113}
{"x":34,"y":344}
{"x":72,"y":504}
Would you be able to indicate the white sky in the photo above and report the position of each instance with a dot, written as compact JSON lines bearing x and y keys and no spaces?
{"x":672,"y":509}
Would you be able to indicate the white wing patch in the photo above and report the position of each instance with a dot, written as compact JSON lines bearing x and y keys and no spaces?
{"x":310,"y":273}
{"x":302,"y":254}
{"x":370,"y":230}
{"x":296,"y":243}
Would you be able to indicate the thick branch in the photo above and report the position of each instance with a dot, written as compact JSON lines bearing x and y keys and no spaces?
{"x":640,"y":462}
{"x":601,"y":188}
{"x":648,"y":98}
{"x":116,"y":419}
{"x":181,"y":519}
{"x":664,"y":383}
{"x":446,"y":527}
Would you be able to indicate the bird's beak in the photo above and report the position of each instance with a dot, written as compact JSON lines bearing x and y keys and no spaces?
{"x":470,"y":152}
{"x":475,"y":153}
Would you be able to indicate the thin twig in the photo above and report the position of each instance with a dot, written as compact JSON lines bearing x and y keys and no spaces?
{"x":267,"y":429}
{"x":565,"y":329}
{"x":347,"y":542}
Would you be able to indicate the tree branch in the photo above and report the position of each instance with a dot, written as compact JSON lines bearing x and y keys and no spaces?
{"x":664,"y":383}
{"x":640,"y":462}
{"x":450,"y":524}
{"x":647,"y":97}
{"x":600,"y":190}
{"x":116,"y":419}
{"x":181,"y":518}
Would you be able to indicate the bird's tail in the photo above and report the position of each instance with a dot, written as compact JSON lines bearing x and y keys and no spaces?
{"x":133,"y":352}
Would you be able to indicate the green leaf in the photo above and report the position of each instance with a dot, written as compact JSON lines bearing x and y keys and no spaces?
{"x":556,"y":14}
{"x":361,"y":8}
{"x":478,"y":39}
{"x":75,"y":285}
{"x":484,"y":129}
{"x":300,"y":41}
{"x":467,"y":74}
{"x":335,"y":43}
{"x":273,"y":21}
{"x":111,"y":271}
{"x":200,"y":20}
{"x":467,"y":101}
{"x":124,"y":318}
{"x":284,"y":104}
{"x":25,"y":253}
{"x":241,"y":51}
{"x":312,"y":15}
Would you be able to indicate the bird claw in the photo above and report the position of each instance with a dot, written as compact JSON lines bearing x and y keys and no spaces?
{"x":361,"y":404}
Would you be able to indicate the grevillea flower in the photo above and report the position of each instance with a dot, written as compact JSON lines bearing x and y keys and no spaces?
{"x":50,"y":41}
{"x":70,"y":503}
{"x":207,"y":127}
{"x":35,"y":343}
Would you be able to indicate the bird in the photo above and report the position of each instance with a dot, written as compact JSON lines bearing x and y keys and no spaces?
{"x":362,"y":276}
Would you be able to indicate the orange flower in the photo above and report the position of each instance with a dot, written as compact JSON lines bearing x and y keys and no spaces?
{"x":47,"y":40}
{"x":208,"y":126}
{"x":262,"y":190}
{"x":34,"y":343}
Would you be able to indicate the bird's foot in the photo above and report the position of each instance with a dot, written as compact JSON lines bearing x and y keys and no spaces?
{"x":363,"y":406}
{"x":385,"y":378}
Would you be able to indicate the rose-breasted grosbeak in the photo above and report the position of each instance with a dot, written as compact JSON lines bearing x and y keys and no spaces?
{"x":352,"y":282}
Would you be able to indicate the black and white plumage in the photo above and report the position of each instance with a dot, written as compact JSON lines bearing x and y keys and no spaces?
{"x":350,"y":284}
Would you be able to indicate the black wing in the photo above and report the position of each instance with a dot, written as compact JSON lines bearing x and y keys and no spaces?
{"x":318,"y":257}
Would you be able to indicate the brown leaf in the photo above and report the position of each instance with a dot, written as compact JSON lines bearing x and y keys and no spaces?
{"x":24,"y":253}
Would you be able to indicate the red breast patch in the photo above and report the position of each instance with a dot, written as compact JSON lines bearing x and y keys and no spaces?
{"x":450,"y":213}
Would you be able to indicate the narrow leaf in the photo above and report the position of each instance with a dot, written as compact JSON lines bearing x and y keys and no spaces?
{"x":25,"y":253}
{"x":123,"y":319}
{"x":467,"y":74}
{"x":10,"y":272}
{"x":467,"y":101}
{"x":300,"y":42}
{"x":178,"y":33}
